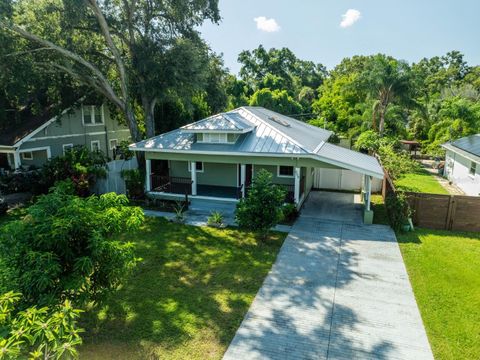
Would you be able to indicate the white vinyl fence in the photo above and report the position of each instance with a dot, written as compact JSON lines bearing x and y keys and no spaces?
{"x":338,"y":179}
{"x":114,"y":181}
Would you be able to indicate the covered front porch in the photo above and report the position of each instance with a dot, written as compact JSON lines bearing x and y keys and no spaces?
{"x":228,"y":181}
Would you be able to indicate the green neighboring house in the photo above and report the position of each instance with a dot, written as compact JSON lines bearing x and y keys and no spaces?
{"x":217,"y":158}
{"x":34,"y":141}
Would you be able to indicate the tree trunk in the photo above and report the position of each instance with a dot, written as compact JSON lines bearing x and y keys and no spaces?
{"x":381,"y":125}
{"x":149,"y":111}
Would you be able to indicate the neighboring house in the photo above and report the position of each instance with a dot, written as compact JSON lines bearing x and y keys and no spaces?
{"x":34,"y":141}
{"x":217,"y":158}
{"x":462,"y":163}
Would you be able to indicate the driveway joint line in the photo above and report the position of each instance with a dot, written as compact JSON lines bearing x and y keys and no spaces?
{"x":335,"y":289}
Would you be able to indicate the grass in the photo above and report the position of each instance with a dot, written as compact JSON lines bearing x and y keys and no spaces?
{"x":379,"y":211}
{"x":420,"y":181}
{"x":185,"y":299}
{"x":444,"y":270}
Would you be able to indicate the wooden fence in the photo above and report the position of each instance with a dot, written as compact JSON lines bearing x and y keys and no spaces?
{"x":443,"y":212}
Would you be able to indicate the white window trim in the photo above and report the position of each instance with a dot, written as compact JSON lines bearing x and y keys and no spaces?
{"x":198,"y":171}
{"x":285,"y":176}
{"x":93,"y":108}
{"x":66,"y":145}
{"x":110,"y":144}
{"x":25,"y":153}
{"x":95,"y":142}
{"x":470,"y":168}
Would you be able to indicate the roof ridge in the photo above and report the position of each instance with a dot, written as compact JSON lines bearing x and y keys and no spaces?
{"x":275,"y":129}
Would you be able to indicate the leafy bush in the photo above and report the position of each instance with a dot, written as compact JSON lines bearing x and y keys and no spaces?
{"x":134,"y":182}
{"x":65,"y":246}
{"x":262,"y":208}
{"x":289,"y":212}
{"x":398,"y":210}
{"x":3,"y":207}
{"x":215,"y":219}
{"x":80,"y":165}
{"x":20,"y":181}
{"x":397,"y":163}
{"x":37,"y":333}
{"x":123,"y":151}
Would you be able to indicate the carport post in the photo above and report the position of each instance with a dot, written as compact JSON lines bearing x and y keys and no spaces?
{"x":297,"y":185}
{"x":368,"y":191}
{"x":193,"y":170}
{"x":243,"y":174}
{"x":148,"y":171}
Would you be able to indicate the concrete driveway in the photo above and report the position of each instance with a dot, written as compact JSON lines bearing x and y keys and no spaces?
{"x":338,"y":290}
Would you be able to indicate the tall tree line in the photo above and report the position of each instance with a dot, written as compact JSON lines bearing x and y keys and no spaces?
{"x":147,"y":59}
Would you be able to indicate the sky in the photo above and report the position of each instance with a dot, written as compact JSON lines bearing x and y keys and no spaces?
{"x":326,"y":31}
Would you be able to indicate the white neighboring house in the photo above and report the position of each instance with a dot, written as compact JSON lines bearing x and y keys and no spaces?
{"x":462,"y":163}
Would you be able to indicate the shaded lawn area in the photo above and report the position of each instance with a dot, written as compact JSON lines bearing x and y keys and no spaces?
{"x":420,"y":181}
{"x":186,"y":298}
{"x":444,"y":269}
{"x":379,"y":210}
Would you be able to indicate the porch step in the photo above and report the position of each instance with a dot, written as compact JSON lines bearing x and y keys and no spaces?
{"x":209,"y":205}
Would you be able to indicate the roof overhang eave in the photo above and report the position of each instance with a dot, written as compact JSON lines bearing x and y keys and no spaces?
{"x":215,"y":131}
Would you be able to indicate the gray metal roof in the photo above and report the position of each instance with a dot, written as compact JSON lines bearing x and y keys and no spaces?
{"x":266,"y":132}
{"x":355,"y":160}
{"x":223,"y":122}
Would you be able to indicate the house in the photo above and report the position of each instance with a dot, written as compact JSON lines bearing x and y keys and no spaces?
{"x":217,"y":157}
{"x":462,"y":163}
{"x":34,"y":141}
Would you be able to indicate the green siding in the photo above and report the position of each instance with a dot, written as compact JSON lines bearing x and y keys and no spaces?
{"x":39,"y":158}
{"x":273,"y":171}
{"x":69,"y":129}
{"x":213,"y":173}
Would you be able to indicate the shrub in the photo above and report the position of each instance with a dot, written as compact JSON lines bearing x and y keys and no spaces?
{"x":262,"y":208}
{"x":37,"y":333}
{"x":134,"y":182}
{"x":289,"y":212}
{"x":3,"y":207}
{"x":21,"y":181}
{"x":79,"y":165}
{"x":397,"y":163}
{"x":398,"y":210}
{"x":65,"y":246}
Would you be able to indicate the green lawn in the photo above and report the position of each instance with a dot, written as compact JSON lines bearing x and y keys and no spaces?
{"x":421,"y":181}
{"x":444,"y":269}
{"x":186,"y":298}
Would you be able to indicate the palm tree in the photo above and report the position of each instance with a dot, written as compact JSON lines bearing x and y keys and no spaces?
{"x":386,"y":81}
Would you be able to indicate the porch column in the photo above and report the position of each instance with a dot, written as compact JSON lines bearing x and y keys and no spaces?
{"x":148,"y":175}
{"x":296,"y":173}
{"x":243,"y":175}
{"x":193,"y":171}
{"x":368,"y":191}
{"x":16,"y":159}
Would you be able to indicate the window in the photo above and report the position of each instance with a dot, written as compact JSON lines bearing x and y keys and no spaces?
{"x":285,"y":171}
{"x":199,"y":166}
{"x":473,"y":168}
{"x":92,"y":115}
{"x":27,"y":155}
{"x":67,"y":147}
{"x":113,"y":144}
{"x":95,"y":145}
{"x":217,"y":138}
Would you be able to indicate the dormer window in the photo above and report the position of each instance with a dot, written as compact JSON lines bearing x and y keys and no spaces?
{"x":217,"y":138}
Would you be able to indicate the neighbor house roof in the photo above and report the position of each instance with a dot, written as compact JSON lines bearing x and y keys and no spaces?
{"x":468,"y":146}
{"x":262,"y":132}
{"x":12,"y":132}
